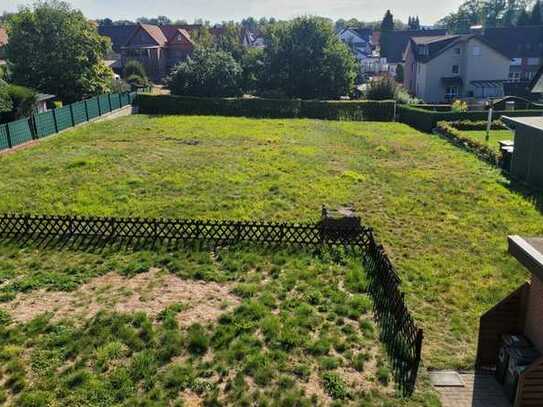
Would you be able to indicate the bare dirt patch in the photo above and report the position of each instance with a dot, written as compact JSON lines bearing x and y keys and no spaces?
{"x":150,"y":292}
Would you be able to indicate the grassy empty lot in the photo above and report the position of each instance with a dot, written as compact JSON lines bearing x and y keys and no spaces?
{"x":442,"y":214}
{"x":495,"y":137}
{"x":237,"y":326}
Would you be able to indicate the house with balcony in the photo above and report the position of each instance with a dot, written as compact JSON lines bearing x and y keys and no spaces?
{"x":447,"y":67}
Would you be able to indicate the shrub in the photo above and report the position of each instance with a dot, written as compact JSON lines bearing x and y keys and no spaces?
{"x":384,"y":88}
{"x":459,"y":106}
{"x":471,"y":125}
{"x":134,"y":68}
{"x":23,"y":99}
{"x":268,"y":108}
{"x":6,"y":104}
{"x":208,"y":72}
{"x":137,"y":82}
{"x":426,"y":120}
{"x":482,"y":150}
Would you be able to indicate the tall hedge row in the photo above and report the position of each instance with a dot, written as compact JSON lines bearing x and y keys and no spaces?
{"x":267,"y":108}
{"x":426,"y":120}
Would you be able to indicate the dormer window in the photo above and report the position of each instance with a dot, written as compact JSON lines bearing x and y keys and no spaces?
{"x":179,"y":37}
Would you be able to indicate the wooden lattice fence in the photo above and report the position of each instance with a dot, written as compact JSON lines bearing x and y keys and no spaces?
{"x":402,"y":339}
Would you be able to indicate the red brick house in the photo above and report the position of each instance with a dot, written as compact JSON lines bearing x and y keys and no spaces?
{"x":158,"y":48}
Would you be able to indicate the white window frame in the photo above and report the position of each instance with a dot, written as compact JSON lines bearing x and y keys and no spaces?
{"x":457,"y":70}
{"x":451,"y":92}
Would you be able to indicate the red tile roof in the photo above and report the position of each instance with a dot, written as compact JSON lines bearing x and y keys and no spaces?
{"x":156,"y":33}
{"x":3,"y":37}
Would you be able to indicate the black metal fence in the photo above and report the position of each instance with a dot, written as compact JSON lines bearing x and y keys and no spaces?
{"x":402,"y":339}
{"x":399,"y":333}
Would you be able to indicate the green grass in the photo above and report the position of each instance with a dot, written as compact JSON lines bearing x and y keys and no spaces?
{"x":495,"y":137}
{"x":267,"y":350}
{"x":442,"y":214}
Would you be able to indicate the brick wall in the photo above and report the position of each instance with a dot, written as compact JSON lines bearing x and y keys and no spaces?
{"x":534,"y":317}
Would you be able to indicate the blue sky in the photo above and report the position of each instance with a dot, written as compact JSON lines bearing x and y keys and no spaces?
{"x":219,"y":10}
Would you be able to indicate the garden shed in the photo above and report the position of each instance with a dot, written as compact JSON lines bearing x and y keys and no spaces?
{"x":511,"y":333}
{"x":526,"y":164}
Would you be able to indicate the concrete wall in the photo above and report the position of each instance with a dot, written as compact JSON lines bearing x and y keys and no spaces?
{"x":534,"y":317}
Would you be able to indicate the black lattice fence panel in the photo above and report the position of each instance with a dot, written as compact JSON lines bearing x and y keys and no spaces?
{"x":398,"y":331}
{"x":100,"y":228}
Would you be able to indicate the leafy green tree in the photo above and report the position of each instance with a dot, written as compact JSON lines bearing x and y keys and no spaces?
{"x":208,"y":72}
{"x":55,"y":49}
{"x":230,"y":40}
{"x":253,"y":70}
{"x":304,"y":58}
{"x":388,"y":22}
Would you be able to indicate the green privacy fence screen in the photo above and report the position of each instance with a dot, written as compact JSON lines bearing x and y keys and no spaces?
{"x":44,"y":124}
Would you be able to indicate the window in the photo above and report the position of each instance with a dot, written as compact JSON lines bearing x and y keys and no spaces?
{"x":458,"y":51}
{"x":451,"y":93}
{"x":455,"y":69}
{"x":413,"y":67}
{"x":476,"y":51}
{"x":514,"y":76}
{"x":423,"y":50}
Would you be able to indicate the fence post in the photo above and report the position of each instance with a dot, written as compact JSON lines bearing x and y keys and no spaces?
{"x":55,"y":120}
{"x":86,"y":110}
{"x":33,"y":127}
{"x":99,"y":107}
{"x":109,"y":101}
{"x":8,"y":134}
{"x":72,"y":114}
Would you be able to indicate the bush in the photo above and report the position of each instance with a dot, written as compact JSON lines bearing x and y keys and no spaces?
{"x":6,"y":104}
{"x":426,"y":120}
{"x":482,"y":150}
{"x":384,"y":88}
{"x":268,"y":108}
{"x":137,"y":82}
{"x":134,"y":68}
{"x":208,"y":72}
{"x":459,"y":106}
{"x":479,"y":125}
{"x":23,"y":99}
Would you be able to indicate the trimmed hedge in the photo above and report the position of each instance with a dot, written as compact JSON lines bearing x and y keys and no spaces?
{"x":267,"y":108}
{"x":455,"y":136}
{"x":426,"y":121}
{"x":469,"y":125}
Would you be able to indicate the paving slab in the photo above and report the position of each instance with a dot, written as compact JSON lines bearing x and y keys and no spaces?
{"x":479,"y":390}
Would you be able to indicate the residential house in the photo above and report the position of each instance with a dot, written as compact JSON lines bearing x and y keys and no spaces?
{"x":252,"y":39}
{"x":523,"y":45}
{"x":444,"y":68}
{"x":392,"y":45}
{"x":361,"y":42}
{"x":158,"y":48}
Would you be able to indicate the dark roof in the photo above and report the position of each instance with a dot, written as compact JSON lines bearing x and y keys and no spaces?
{"x":394,"y":43}
{"x":438,"y":45}
{"x":119,"y":34}
{"x":517,"y":42}
{"x":364,"y":33}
